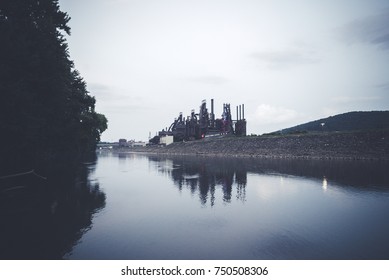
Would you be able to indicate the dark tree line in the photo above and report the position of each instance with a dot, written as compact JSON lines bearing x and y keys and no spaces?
{"x":351,"y":121}
{"x":46,"y":113}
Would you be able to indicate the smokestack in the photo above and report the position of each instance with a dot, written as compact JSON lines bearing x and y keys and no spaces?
{"x":243,"y":110}
{"x":240,"y":112}
{"x":212,"y":114}
{"x":237,"y":116}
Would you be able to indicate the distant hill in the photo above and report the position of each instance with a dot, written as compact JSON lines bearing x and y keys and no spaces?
{"x":352,"y":121}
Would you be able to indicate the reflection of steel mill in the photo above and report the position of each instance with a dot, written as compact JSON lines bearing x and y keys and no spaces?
{"x":206,"y":182}
{"x":204,"y":178}
{"x":198,"y":126}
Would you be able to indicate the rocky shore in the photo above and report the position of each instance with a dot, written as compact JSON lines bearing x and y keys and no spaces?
{"x":371,"y":145}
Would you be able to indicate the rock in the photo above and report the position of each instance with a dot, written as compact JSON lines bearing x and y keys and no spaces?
{"x":348,"y":145}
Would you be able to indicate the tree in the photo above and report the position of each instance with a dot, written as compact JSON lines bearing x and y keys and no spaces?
{"x":46,"y":112}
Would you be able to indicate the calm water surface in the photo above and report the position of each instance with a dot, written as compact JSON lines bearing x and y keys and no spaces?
{"x":202,"y":208}
{"x":129,"y":206}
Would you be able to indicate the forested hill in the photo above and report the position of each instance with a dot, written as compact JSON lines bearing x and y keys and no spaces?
{"x":352,"y":121}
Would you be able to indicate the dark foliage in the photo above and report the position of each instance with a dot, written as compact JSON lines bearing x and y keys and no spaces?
{"x":44,"y":219}
{"x":46,"y":113}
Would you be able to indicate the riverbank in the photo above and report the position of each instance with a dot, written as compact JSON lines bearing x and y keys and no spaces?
{"x":371,"y":145}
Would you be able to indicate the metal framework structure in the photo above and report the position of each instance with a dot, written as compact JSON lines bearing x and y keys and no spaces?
{"x":202,"y":124}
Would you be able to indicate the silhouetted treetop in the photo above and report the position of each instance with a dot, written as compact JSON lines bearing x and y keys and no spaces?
{"x":46,"y":112}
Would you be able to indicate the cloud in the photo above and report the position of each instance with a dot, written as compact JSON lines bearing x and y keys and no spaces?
{"x":267,"y":114}
{"x":286,"y":58}
{"x":98,"y":89}
{"x":210,"y":80}
{"x":372,"y":30}
{"x":354,"y":99}
{"x":383,"y":86}
{"x":115,"y":100}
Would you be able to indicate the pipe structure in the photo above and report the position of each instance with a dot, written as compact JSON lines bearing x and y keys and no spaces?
{"x":212,"y":115}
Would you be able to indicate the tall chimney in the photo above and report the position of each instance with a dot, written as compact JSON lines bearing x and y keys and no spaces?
{"x":212,"y":114}
{"x":243,"y":110}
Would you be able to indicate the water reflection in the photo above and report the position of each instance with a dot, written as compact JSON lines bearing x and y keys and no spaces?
{"x":222,"y":208}
{"x":203,"y":175}
{"x":325,"y":183}
{"x":44,"y":219}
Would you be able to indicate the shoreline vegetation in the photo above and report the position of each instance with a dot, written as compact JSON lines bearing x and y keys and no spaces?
{"x":48,"y":119}
{"x":361,"y":145}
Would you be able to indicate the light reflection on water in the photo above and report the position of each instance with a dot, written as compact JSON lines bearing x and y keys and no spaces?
{"x":204,"y":208}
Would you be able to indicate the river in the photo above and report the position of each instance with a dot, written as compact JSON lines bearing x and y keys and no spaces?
{"x":154,"y":207}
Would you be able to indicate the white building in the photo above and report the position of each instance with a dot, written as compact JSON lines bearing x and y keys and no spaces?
{"x":139,"y":144}
{"x":166,"y":140}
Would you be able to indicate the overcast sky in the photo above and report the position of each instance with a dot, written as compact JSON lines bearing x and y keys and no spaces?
{"x":289,"y":62}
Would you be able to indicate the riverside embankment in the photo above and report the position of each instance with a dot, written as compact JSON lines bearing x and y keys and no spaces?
{"x":372,"y":145}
